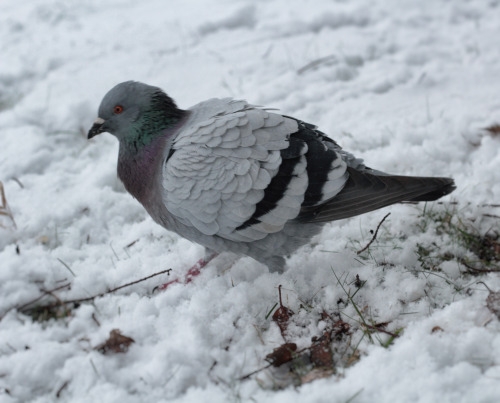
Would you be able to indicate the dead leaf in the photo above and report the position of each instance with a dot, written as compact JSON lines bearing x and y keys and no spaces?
{"x":338,"y":326}
{"x":493,"y":303}
{"x":341,"y":327}
{"x":436,"y":329}
{"x":282,"y":315}
{"x":494,"y":129}
{"x":44,"y":239}
{"x":116,"y":343}
{"x":317,"y":374}
{"x":282,"y":354}
{"x":321,"y":351}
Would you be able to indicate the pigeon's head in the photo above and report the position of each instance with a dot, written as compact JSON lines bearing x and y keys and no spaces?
{"x":129,"y":107}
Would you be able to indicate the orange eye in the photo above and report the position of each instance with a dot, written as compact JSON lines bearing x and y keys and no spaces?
{"x":118,"y":109}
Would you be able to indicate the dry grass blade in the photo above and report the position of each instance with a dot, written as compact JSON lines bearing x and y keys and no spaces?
{"x":4,"y":208}
{"x":327,"y":60}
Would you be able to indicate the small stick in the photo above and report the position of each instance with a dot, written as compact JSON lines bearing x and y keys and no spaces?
{"x":95,"y":319}
{"x":483,"y":283}
{"x":296,"y":353}
{"x":45,"y":292}
{"x":64,"y":385}
{"x":491,"y":215}
{"x":75,"y":301}
{"x":374,"y":235}
{"x":380,"y":330}
{"x":279,"y":291}
{"x":254,"y":372}
{"x":495,"y":270}
{"x":72,"y":301}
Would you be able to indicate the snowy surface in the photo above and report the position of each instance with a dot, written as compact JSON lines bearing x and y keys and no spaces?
{"x":407,"y":85}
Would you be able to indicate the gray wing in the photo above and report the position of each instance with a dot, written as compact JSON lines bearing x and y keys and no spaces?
{"x":241,"y":173}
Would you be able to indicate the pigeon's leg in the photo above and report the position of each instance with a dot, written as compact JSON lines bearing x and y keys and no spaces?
{"x":275,"y":264}
{"x":192,"y":272}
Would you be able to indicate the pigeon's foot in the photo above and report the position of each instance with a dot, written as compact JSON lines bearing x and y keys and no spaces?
{"x":191,"y":274}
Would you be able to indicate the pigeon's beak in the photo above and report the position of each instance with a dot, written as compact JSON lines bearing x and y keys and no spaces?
{"x":96,"y":128}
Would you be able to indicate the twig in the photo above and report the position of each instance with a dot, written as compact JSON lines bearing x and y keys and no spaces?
{"x":380,"y":330}
{"x":95,"y":319}
{"x":491,"y":215}
{"x":45,"y":292}
{"x":75,"y":301}
{"x":64,"y":385}
{"x":296,"y":353}
{"x":131,"y":243}
{"x":20,"y":308}
{"x":495,"y":270}
{"x":374,"y":235}
{"x":255,"y":372}
{"x":60,"y":302}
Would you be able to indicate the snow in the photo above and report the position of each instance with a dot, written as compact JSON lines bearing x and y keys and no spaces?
{"x":408,"y":86}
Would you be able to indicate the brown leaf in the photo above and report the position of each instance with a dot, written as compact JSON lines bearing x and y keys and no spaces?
{"x":326,"y":316}
{"x":316,"y":374}
{"x":493,"y":303}
{"x":341,"y":327}
{"x":282,"y":315}
{"x":321,"y":351}
{"x":494,"y":129}
{"x":116,"y":343}
{"x":354,"y":358}
{"x":282,"y":354}
{"x":437,"y":329}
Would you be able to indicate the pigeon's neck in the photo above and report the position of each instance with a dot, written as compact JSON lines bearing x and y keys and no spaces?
{"x":140,"y":161}
{"x":161,"y":115}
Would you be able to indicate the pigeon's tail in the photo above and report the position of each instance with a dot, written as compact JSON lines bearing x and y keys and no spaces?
{"x":364,"y":192}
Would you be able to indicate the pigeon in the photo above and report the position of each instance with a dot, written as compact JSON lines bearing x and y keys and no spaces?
{"x":240,"y":178}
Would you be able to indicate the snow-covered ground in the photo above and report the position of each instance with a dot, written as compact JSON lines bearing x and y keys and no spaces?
{"x":407,"y":85}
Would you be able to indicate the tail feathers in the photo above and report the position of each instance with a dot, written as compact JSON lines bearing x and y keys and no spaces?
{"x":447,"y":188}
{"x":366,"y":192}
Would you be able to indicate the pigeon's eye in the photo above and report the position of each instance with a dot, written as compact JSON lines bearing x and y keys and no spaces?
{"x":118,"y":109}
